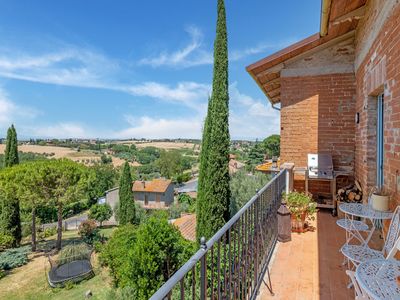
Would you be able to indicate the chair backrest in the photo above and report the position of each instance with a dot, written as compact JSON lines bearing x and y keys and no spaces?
{"x":394,"y":250}
{"x":393,"y":233}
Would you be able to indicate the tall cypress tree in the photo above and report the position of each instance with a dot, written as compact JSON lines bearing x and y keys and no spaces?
{"x":11,"y":151}
{"x":201,"y":207}
{"x":214,"y":192}
{"x":126,"y":202}
{"x":10,"y":220}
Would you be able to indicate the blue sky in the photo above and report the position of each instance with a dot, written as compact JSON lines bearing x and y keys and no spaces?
{"x":132,"y":69}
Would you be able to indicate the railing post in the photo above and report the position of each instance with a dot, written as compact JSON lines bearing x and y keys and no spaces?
{"x":289,"y":176}
{"x":203,"y":270}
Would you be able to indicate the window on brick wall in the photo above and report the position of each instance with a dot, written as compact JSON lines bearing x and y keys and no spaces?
{"x":379,"y":141}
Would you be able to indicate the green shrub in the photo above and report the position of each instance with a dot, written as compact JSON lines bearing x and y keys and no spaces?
{"x":144,"y":257}
{"x":73,"y":252}
{"x":13,"y":258}
{"x":126,"y":293}
{"x":98,"y":246}
{"x":88,"y":231}
{"x":49,"y":231}
{"x":6,"y":241}
{"x":175,"y":210}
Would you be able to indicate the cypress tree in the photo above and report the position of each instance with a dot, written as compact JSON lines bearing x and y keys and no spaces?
{"x":214,"y":193}
{"x":10,"y":220}
{"x":11,"y":151}
{"x":126,"y":202}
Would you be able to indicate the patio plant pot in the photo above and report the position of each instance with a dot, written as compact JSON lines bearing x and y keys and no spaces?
{"x":299,"y":224}
{"x":380,"y":202}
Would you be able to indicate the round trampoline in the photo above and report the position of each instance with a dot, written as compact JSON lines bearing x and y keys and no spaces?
{"x":74,"y":269}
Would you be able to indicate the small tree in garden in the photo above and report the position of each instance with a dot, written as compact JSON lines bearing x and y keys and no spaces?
{"x":66,"y":182}
{"x":88,"y":231}
{"x":51,"y":182}
{"x":126,"y":209}
{"x":100,"y":213}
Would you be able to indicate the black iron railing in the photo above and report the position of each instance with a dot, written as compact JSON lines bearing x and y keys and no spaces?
{"x":232,"y":264}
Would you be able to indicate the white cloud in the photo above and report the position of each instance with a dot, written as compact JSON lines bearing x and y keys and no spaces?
{"x":10,"y":112}
{"x":153,"y":128}
{"x":70,"y":66}
{"x":253,"y":107}
{"x":195,"y":53}
{"x":84,"y":68}
{"x":59,"y":130}
{"x":191,"y":94}
{"x":249,"y":117}
{"x":190,"y":55}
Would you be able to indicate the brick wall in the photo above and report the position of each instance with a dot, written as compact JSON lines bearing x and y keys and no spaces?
{"x":378,"y":70}
{"x":317,"y":116}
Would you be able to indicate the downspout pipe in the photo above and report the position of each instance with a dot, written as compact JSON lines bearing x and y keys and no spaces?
{"x":325,"y":11}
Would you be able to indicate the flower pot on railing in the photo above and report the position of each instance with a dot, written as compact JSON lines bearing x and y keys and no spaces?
{"x":299,"y":223}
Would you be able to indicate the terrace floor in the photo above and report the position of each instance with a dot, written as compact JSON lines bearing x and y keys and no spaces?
{"x":310,"y":266}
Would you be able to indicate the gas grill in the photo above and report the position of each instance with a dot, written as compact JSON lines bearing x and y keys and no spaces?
{"x":320,"y":166}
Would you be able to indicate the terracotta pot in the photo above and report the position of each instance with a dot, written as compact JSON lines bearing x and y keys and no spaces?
{"x":298,"y":225}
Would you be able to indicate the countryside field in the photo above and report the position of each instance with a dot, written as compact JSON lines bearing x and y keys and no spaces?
{"x":161,"y":145}
{"x":84,"y":156}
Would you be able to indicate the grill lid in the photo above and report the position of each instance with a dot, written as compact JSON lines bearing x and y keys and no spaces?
{"x":320,"y":166}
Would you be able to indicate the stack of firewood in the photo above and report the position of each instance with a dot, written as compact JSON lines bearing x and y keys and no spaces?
{"x":350,"y":193}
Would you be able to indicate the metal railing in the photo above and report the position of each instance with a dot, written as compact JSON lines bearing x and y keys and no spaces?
{"x":232,"y":264}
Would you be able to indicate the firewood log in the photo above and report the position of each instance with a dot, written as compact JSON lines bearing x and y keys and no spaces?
{"x":358,"y":185}
{"x":351,"y":196}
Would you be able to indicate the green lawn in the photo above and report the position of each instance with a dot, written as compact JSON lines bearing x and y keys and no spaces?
{"x":30,"y":281}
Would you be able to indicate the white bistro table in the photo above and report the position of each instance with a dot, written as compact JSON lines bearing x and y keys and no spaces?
{"x":379,"y":278}
{"x":354,"y":227}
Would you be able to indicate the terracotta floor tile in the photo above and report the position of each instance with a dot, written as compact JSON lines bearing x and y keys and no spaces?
{"x":310,"y":266}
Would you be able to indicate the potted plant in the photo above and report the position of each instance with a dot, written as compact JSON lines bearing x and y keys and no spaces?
{"x":380,"y":199}
{"x":301,"y":208}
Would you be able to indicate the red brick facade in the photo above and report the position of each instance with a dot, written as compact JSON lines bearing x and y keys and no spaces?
{"x":324,"y":81}
{"x":317,"y":116}
{"x":378,"y":71}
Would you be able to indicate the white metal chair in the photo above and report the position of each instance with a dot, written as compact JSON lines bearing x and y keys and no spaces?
{"x":360,"y":292}
{"x":360,"y":253}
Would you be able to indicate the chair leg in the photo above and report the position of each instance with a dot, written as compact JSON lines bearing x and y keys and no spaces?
{"x":359,"y":293}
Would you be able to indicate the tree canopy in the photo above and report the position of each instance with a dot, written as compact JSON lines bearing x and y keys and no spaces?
{"x":272,"y":146}
{"x":47,"y":182}
{"x":100,"y":212}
